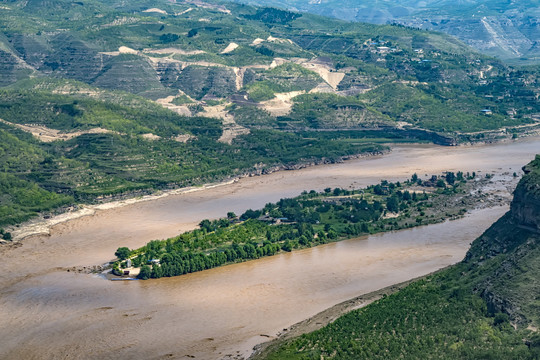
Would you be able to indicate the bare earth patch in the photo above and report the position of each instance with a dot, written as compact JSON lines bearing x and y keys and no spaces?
{"x":282,"y":104}
{"x":155,"y":10}
{"x":257,"y":41}
{"x":332,"y":77}
{"x":121,"y":50}
{"x":179,"y":109}
{"x":150,"y":136}
{"x":46,"y":134}
{"x":230,"y":128}
{"x":230,"y":48}
{"x":173,"y":51}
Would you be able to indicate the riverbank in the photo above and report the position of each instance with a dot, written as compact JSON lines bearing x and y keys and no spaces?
{"x":326,"y":317}
{"x":48,"y":312}
{"x":42,"y":225}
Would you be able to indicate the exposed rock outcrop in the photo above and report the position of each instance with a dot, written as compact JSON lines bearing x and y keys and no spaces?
{"x":506,"y":258}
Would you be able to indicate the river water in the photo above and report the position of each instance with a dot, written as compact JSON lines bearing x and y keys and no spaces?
{"x":47,"y":312}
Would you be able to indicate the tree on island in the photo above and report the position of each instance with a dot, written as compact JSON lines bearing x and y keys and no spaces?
{"x":122,"y":253}
{"x":392,"y":204}
{"x":145,"y":272}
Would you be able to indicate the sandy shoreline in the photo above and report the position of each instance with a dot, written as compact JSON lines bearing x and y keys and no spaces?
{"x":42,"y":227}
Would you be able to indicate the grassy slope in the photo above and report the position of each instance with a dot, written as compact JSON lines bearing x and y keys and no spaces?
{"x":463,"y":312}
{"x":90,"y":166}
{"x":95,"y":165}
{"x":450,"y":68}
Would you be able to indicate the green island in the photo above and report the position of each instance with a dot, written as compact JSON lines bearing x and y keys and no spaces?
{"x":485,"y":307}
{"x":311,"y":219}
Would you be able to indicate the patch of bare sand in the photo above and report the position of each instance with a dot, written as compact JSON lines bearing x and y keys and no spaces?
{"x":173,"y":51}
{"x":277,"y":62}
{"x":155,"y":10}
{"x":322,"y":88}
{"x":239,"y":72}
{"x":184,"y":138}
{"x":279,"y":40}
{"x":328,"y":74}
{"x":160,"y":61}
{"x":281,"y":104}
{"x":150,"y":136}
{"x":230,"y":128}
{"x":121,"y":50}
{"x":179,"y":109}
{"x":46,"y":134}
{"x":183,"y":12}
{"x":230,"y":48}
{"x":257,"y":41}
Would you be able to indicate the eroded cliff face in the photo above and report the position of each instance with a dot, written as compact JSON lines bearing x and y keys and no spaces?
{"x":504,"y":262}
{"x":525,"y":209}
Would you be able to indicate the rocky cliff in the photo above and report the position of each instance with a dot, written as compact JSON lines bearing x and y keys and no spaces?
{"x":525,"y":209}
{"x":505,"y":261}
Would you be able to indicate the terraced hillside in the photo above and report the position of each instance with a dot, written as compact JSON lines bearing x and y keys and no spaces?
{"x":263,"y":59}
{"x":104,"y":99}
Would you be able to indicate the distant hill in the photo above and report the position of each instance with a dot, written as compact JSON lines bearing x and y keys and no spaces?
{"x":255,"y":62}
{"x":501,"y":28}
{"x":487,"y":306}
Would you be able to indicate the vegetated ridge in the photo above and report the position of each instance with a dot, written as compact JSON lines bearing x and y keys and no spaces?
{"x":487,"y":306}
{"x":505,"y":29}
{"x":104,"y":99}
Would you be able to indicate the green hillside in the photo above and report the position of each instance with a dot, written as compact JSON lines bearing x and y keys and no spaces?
{"x":244,"y":55}
{"x":137,"y":148}
{"x":102,"y":99}
{"x":485,"y":307}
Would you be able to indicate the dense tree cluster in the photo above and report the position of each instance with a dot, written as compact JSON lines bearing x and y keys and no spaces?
{"x":310,"y":219}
